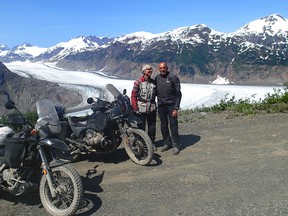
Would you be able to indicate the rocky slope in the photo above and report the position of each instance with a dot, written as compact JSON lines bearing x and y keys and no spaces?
{"x":25,"y":92}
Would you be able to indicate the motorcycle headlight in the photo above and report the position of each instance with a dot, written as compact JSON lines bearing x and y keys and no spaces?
{"x":134,"y":121}
{"x":134,"y":124}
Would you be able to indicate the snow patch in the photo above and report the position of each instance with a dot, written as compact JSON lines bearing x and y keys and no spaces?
{"x":221,"y":81}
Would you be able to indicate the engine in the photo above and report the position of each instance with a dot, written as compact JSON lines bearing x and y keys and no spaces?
{"x":16,"y":185}
{"x":93,"y":138}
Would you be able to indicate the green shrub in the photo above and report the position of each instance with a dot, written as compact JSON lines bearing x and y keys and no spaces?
{"x":7,"y":120}
{"x":272,"y":103}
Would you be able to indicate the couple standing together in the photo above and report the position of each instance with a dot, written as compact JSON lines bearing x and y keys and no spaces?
{"x":166,"y":87}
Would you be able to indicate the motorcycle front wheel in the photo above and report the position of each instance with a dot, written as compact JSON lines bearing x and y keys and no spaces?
{"x":139,"y":146}
{"x":68,"y":188}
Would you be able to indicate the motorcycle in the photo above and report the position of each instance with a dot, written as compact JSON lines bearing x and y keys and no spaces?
{"x":33,"y":157}
{"x":104,"y":130}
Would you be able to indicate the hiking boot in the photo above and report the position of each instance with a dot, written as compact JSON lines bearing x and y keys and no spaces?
{"x":176,"y":150}
{"x":165,"y":148}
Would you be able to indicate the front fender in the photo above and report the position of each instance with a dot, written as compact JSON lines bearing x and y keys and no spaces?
{"x":134,"y":121}
{"x":55,"y":143}
{"x":58,"y":162}
{"x":58,"y":149}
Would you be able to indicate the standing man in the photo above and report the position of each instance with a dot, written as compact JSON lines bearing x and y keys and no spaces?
{"x":143,"y":101}
{"x":168,"y":99}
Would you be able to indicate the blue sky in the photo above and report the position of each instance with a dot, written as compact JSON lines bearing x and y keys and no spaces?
{"x":46,"y":23}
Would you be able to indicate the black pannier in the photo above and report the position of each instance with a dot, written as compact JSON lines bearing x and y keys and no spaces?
{"x":14,"y":152}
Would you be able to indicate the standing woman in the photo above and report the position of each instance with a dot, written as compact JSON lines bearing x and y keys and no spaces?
{"x":143,"y":101}
{"x":168,"y":98}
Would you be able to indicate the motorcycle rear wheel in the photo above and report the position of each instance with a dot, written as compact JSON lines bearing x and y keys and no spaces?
{"x":139,"y":147}
{"x":69,"y":191}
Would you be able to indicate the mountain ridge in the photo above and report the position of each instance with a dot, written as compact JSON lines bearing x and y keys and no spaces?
{"x":255,"y":53}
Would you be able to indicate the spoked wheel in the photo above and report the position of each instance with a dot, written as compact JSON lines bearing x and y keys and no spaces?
{"x":68,"y":188}
{"x":139,"y":147}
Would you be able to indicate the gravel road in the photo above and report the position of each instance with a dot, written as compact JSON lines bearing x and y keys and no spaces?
{"x":228,"y":165}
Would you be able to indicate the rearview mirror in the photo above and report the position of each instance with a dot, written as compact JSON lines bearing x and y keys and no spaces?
{"x":10,"y":105}
{"x":90,"y":100}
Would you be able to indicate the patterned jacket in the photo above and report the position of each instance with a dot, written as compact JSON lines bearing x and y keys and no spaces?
{"x":143,"y":95}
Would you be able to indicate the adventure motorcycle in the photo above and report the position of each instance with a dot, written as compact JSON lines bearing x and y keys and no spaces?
{"x":33,"y":157}
{"x":106,"y":128}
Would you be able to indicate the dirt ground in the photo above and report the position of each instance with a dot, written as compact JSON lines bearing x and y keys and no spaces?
{"x":228,"y":165}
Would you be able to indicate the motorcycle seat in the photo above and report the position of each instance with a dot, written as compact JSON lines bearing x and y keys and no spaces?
{"x":76,"y":119}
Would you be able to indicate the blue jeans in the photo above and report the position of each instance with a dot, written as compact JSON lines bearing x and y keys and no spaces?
{"x":165,"y":115}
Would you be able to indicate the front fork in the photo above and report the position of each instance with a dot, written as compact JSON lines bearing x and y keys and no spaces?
{"x":124,"y":133}
{"x":46,"y":169}
{"x":126,"y":138}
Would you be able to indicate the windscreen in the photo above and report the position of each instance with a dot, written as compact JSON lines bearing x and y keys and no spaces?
{"x":47,"y":116}
{"x":123,"y":100}
{"x":111,"y":88}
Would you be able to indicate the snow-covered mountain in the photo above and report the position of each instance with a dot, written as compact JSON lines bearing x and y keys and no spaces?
{"x":271,"y":25}
{"x":256,"y":51}
{"x":3,"y":47}
{"x":27,"y":49}
{"x":21,"y":52}
{"x":28,"y":52}
{"x":73,"y":46}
